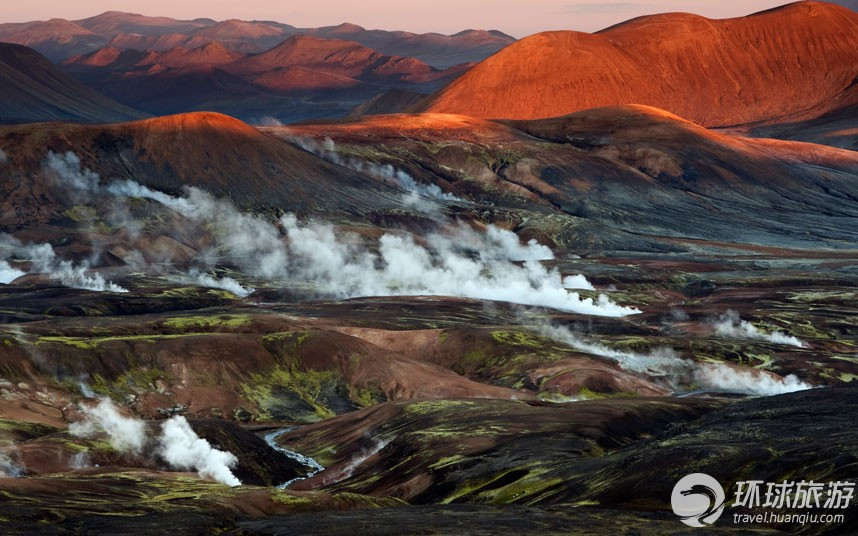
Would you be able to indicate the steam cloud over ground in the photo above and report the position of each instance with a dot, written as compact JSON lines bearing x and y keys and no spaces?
{"x":178,"y":444}
{"x":731,"y":325}
{"x":43,"y":260}
{"x":664,"y":365}
{"x":423,"y":197}
{"x":458,"y":262}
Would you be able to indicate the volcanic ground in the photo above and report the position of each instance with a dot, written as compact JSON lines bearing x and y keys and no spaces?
{"x":430,"y":323}
{"x":457,"y":330}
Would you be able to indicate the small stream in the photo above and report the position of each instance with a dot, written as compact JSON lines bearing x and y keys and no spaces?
{"x":313,"y":466}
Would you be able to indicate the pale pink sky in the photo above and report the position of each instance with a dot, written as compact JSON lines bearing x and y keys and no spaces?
{"x":516,"y":17}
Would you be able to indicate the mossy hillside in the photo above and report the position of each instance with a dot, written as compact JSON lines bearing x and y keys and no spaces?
{"x":530,"y":484}
{"x":294,"y":390}
{"x":133,"y":493}
{"x":491,"y":451}
{"x":500,"y":356}
{"x":206,"y":324}
{"x":285,"y":394}
{"x":12,"y":432}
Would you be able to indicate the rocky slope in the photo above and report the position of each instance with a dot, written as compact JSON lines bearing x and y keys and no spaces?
{"x":35,"y":90}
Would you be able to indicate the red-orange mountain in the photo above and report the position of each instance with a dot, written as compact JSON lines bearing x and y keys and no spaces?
{"x":794,"y":62}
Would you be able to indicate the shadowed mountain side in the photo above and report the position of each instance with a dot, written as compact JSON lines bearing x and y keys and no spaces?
{"x":34,"y":90}
{"x":215,"y":152}
{"x":632,"y":168}
{"x":837,"y":129}
{"x":389,"y":102}
{"x":301,"y":78}
{"x":789,"y":63}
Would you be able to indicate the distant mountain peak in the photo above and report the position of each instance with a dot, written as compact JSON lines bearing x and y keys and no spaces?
{"x":348,"y":27}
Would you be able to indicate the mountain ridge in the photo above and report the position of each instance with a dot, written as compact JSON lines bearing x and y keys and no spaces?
{"x":714,"y":72}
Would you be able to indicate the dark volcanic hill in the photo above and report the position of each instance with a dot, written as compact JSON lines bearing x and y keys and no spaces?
{"x":634,"y":169}
{"x":790,"y":63}
{"x":208,"y":150}
{"x":34,"y":90}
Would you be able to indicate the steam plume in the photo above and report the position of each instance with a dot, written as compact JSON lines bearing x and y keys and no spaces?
{"x":722,"y":377}
{"x":9,"y":468}
{"x":178,"y":444}
{"x":421,"y":196}
{"x":183,"y":449}
{"x":731,"y":325}
{"x":456,"y":262}
{"x":664,"y":363}
{"x":125,"y":434}
{"x":67,"y":171}
{"x":43,"y":259}
{"x":341,"y":265}
{"x":9,"y":274}
{"x":224,"y":283}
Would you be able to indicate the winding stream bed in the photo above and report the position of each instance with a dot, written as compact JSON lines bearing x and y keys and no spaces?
{"x":308,"y":462}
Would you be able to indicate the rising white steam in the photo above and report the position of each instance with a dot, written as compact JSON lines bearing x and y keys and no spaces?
{"x":663,"y":363}
{"x":659,"y":362}
{"x":725,"y":378}
{"x":85,"y":390}
{"x":43,"y":259}
{"x":224,"y":283}
{"x":731,"y":325}
{"x":183,"y":449}
{"x":126,"y":434}
{"x":461,"y":262}
{"x":423,"y":197}
{"x":456,"y":262}
{"x":80,"y":460}
{"x":178,"y":444}
{"x":8,"y":273}
{"x":362,"y":456}
{"x":3,"y":157}
{"x":129,"y":188}
{"x":79,"y":276}
{"x":403,"y":267}
{"x":268,"y":121}
{"x":9,"y":468}
{"x":66,"y":170}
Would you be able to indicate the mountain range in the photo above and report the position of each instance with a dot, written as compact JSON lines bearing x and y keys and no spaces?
{"x":59,"y":39}
{"x":300,"y":78}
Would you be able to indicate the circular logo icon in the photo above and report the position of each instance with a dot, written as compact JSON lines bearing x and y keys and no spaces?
{"x":698,"y":500}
